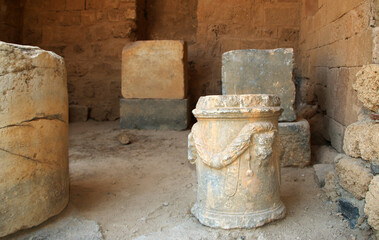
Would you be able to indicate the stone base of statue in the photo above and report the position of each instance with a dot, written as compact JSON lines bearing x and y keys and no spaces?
{"x":235,"y":147}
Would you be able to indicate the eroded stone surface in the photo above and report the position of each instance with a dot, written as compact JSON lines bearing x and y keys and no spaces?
{"x":33,"y":136}
{"x":254,"y":71}
{"x":235,"y":147}
{"x":372,"y":204}
{"x":164,"y":114}
{"x":154,"y":69}
{"x":362,"y":140}
{"x":353,"y":175}
{"x":295,"y":139}
{"x":367,"y":86}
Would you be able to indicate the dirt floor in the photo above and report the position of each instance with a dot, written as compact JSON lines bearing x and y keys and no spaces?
{"x":145,"y":190}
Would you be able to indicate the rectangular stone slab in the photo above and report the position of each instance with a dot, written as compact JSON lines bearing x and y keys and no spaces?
{"x":254,"y":71}
{"x":154,"y":69}
{"x":295,"y":139}
{"x":162,"y":114}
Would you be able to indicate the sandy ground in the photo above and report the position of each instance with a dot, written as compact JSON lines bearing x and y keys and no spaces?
{"x":145,"y":190}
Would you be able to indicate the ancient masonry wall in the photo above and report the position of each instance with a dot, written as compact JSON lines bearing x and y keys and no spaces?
{"x":90,"y":35}
{"x":211,"y":28}
{"x":11,"y":20}
{"x":336,"y":39}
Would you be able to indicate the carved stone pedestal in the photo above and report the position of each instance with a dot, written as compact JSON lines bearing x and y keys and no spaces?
{"x":234,"y":145}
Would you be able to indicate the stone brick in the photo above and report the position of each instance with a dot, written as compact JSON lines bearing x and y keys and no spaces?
{"x":362,"y":140}
{"x":353,"y":175}
{"x":154,"y":69}
{"x":349,"y":212}
{"x":75,"y":4}
{"x":255,"y":71}
{"x":295,"y":139}
{"x":335,"y":133}
{"x":162,"y":114}
{"x":278,"y":16}
{"x":367,"y":86}
{"x":372,"y":204}
{"x":374,"y":167}
{"x":78,"y":113}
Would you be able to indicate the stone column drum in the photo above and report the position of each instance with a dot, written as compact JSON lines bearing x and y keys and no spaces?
{"x":234,"y":145}
{"x":34,"y":183}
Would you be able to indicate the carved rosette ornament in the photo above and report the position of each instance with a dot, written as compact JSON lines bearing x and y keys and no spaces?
{"x":235,"y":147}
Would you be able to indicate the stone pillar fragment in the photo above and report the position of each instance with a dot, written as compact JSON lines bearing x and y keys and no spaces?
{"x":234,"y":145}
{"x":254,"y":71}
{"x":34,"y":183}
{"x":154,"y":85}
{"x":295,"y":140}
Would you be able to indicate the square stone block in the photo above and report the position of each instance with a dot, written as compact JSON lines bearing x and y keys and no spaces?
{"x":254,"y":71}
{"x":154,"y":69}
{"x":162,"y":114}
{"x":295,"y":139}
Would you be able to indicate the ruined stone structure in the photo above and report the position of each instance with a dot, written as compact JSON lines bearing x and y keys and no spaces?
{"x":34,"y":182}
{"x":235,"y":147}
{"x":270,"y":71}
{"x":354,"y":182}
{"x":154,"y":85}
{"x":332,"y":41}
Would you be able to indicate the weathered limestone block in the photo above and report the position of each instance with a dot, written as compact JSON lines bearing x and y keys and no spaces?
{"x":295,"y":140}
{"x":367,"y":86}
{"x":362,"y":140}
{"x":163,"y":114}
{"x":234,"y":145}
{"x":34,"y":181}
{"x":154,"y":69}
{"x":353,"y":175}
{"x":254,"y":71}
{"x":372,"y":204}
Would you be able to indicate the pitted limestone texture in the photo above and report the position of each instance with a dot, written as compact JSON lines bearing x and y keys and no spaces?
{"x":295,"y":139}
{"x":154,"y":69}
{"x":254,"y":71}
{"x":362,"y":140}
{"x":372,"y":204}
{"x":234,"y":145}
{"x":367,"y":86}
{"x":34,"y":183}
{"x":354,"y":176}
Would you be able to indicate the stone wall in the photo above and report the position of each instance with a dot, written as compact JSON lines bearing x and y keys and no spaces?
{"x":335,"y":41}
{"x":212,"y":28}
{"x":90,"y":35}
{"x":11,"y":20}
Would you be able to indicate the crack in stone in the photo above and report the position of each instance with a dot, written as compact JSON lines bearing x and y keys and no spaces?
{"x":22,"y":156}
{"x":58,"y":117}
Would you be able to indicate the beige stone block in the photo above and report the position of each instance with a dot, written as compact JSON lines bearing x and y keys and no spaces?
{"x":362,"y":140}
{"x":34,"y":182}
{"x":353,"y":175}
{"x":372,"y":204}
{"x":367,"y":86}
{"x":295,"y":140}
{"x":154,"y":69}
